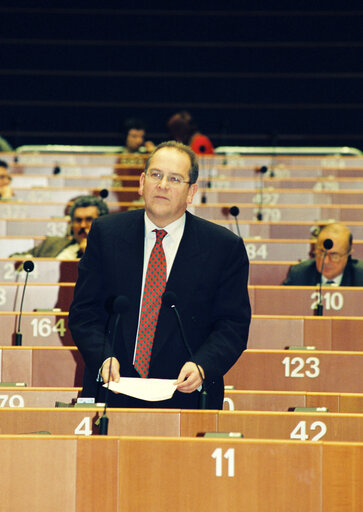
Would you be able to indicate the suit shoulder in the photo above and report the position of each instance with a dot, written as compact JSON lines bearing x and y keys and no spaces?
{"x":212,"y":229}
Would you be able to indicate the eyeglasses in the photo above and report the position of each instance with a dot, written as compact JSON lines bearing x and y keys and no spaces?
{"x":4,"y":177}
{"x":334,"y":256}
{"x":174,"y":180}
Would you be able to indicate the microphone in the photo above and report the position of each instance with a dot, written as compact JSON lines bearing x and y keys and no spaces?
{"x":234,"y":210}
{"x":104,"y":193}
{"x":328,"y":244}
{"x":169,"y":300}
{"x":28,"y":266}
{"x":262,"y":170}
{"x":118,"y":306}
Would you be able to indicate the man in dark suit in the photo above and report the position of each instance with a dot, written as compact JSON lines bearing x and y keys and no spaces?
{"x":207,"y":270}
{"x":340,"y":269}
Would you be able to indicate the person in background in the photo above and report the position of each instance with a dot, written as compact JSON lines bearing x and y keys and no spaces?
{"x":134,"y":133}
{"x":6,"y":191}
{"x":141,"y":254}
{"x":340,"y":269}
{"x":183,"y":129}
{"x":82,"y":213}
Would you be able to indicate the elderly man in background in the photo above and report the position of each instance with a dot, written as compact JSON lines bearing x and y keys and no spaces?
{"x":339,"y":269}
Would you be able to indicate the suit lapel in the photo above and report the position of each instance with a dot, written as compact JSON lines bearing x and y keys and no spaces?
{"x":128,"y":260}
{"x":181,"y":280}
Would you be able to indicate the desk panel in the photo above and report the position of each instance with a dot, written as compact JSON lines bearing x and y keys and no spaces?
{"x":288,"y":400}
{"x":18,"y":396}
{"x":38,"y":296}
{"x":323,"y":333}
{"x":302,"y":300}
{"x":46,"y":270}
{"x":281,"y":370}
{"x":293,"y":425}
{"x":38,"y":329}
{"x":41,"y":366}
{"x":155,"y":423}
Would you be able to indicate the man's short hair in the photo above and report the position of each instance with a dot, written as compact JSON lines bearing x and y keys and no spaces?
{"x":194,"y":166}
{"x":85,"y":201}
{"x":4,"y":164}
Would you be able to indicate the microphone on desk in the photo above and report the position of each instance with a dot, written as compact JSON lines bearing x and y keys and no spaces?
{"x":234,"y":211}
{"x":262,"y":170}
{"x":28,"y":266}
{"x":117,"y":306}
{"x":104,"y":193}
{"x":169,"y":300}
{"x":328,"y":244}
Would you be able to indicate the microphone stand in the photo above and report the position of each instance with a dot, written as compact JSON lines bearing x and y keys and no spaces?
{"x":203,"y":398}
{"x":234,"y":211}
{"x":28,"y":267}
{"x":261,"y":171}
{"x":320,"y":307}
{"x":103,"y":430}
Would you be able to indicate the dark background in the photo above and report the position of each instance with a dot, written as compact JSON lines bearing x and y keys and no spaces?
{"x":251,"y":73}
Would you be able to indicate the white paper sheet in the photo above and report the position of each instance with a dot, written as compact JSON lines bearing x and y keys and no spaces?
{"x":151,"y":390}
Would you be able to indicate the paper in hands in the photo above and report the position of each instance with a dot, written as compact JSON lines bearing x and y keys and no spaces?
{"x":152,"y":390}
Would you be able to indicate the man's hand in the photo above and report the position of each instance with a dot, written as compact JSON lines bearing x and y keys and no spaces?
{"x":115,"y":370}
{"x":189,"y":379}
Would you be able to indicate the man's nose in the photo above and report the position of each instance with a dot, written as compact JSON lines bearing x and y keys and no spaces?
{"x":164,"y":182}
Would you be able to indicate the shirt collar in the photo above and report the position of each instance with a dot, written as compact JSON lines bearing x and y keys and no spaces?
{"x":337,"y":280}
{"x":173,"y":229}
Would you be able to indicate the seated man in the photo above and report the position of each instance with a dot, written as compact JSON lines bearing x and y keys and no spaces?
{"x":340,"y":269}
{"x":5,"y":180}
{"x":83,"y":211}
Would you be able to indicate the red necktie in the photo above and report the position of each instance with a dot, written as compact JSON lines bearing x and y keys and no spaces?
{"x":155,"y":283}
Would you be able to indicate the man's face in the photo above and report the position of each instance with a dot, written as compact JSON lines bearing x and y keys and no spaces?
{"x":82,"y":220}
{"x":336,"y":258}
{"x":134,"y":139}
{"x":166,"y":202}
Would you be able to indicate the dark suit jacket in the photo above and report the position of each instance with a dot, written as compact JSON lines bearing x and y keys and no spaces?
{"x":209,"y":277}
{"x":305,"y":274}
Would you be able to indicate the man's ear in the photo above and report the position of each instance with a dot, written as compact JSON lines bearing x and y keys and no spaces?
{"x":192,"y":191}
{"x":141,"y":184}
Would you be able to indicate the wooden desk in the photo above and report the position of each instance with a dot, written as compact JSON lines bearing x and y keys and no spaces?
{"x":287,"y":400}
{"x":19,"y":396}
{"x":288,"y":370}
{"x":175,"y":423}
{"x":40,"y":329}
{"x":38,"y":296}
{"x":42,"y":366}
{"x":321,"y":332}
{"x":179,"y":474}
{"x":302,"y":300}
{"x":46,"y":270}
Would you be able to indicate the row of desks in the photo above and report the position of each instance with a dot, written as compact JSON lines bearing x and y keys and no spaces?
{"x":264,"y":250}
{"x":235,"y":400}
{"x":313,"y":426}
{"x":297,"y":230}
{"x":265,"y":300}
{"x":128,"y":474}
{"x":269,"y":197}
{"x":274,"y":370}
{"x":328,"y":183}
{"x":266,"y":331}
{"x":212,"y":211}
